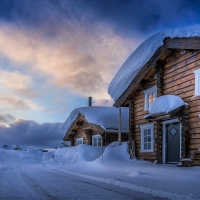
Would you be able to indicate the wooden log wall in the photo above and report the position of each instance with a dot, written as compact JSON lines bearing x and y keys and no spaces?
{"x":176,"y":78}
{"x":113,"y":137}
{"x":138,"y":114}
{"x":179,"y":80}
{"x":159,"y":83}
{"x":86,"y":132}
{"x":131,"y":135}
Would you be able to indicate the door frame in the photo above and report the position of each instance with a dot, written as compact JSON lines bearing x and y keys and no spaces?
{"x":164,"y":138}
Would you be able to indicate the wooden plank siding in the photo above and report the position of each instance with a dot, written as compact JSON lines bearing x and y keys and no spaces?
{"x":138,"y":115}
{"x":178,"y":78}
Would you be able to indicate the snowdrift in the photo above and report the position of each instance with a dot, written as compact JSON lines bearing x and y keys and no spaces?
{"x":9,"y":156}
{"x":85,"y":153}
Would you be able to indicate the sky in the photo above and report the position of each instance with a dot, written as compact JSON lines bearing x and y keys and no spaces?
{"x":54,"y":54}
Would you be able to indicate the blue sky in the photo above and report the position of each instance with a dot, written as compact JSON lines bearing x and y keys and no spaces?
{"x":56,"y":53}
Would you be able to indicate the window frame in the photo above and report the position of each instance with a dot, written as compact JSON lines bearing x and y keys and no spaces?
{"x":78,"y":140}
{"x":197,"y":83}
{"x":96,"y":137}
{"x":142,"y":128}
{"x":146,"y":95}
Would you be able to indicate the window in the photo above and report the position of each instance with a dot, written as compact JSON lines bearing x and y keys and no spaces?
{"x":96,"y":140}
{"x":197,"y":82}
{"x":79,"y":141}
{"x":150,"y":95}
{"x":147,"y":138}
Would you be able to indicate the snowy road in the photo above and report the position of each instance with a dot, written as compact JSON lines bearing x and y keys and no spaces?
{"x":37,"y":182}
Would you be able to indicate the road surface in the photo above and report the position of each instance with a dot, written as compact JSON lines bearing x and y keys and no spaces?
{"x":35,"y":181}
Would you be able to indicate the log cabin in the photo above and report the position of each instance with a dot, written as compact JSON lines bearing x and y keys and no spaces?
{"x":95,"y":125}
{"x":160,"y":83}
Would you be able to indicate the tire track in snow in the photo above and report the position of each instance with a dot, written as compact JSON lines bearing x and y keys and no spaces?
{"x":137,"y":195}
{"x":35,"y":186}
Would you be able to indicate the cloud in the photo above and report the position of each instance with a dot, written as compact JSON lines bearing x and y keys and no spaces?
{"x":143,"y":17}
{"x":104,"y":102}
{"x":14,"y":102}
{"x":30,"y":133}
{"x":6,"y":118}
{"x":17,"y":83}
{"x":79,"y":59}
{"x":74,"y":47}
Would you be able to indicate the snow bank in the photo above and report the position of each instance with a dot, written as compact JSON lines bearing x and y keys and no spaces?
{"x":105,"y":117}
{"x":117,"y":169}
{"x":85,"y":153}
{"x":114,"y":152}
{"x":142,"y":55}
{"x":10,"y":157}
{"x":71,"y":155}
{"x":165,"y":103}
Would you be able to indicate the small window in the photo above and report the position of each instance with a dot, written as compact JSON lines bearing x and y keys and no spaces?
{"x":96,"y":140}
{"x":149,"y":96}
{"x":79,"y":141}
{"x":147,"y":138}
{"x":197,"y":82}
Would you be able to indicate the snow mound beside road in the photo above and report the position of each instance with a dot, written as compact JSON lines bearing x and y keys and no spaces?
{"x":71,"y":155}
{"x":86,"y":153}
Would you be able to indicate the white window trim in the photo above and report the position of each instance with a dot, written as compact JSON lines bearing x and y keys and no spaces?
{"x":143,"y":127}
{"x":96,"y":136}
{"x":197,"y":76}
{"x":146,"y":93}
{"x":79,"y":139}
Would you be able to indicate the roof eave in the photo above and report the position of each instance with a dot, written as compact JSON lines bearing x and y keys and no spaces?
{"x":169,"y":43}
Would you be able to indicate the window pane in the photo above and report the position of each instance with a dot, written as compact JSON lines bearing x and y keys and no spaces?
{"x":154,"y":96}
{"x":95,"y":141}
{"x":145,"y":132}
{"x":149,"y":138}
{"x":150,"y":98}
{"x":149,"y":146}
{"x":99,"y":141}
{"x":79,"y":141}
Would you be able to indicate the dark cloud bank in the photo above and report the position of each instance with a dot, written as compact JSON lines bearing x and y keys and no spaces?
{"x":125,"y":16}
{"x":30,"y":133}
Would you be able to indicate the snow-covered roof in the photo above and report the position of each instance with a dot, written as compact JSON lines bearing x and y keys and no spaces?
{"x":105,"y":117}
{"x":142,"y":55}
{"x":165,"y":104}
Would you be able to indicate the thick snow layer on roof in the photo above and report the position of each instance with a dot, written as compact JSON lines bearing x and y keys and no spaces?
{"x":165,"y":103}
{"x":105,"y":117}
{"x":142,"y":55}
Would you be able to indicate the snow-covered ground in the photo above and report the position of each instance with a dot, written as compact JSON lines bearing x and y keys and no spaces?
{"x":82,"y":173}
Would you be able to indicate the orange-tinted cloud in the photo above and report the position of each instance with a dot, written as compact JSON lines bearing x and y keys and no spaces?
{"x":14,"y":103}
{"x":80,"y":59}
{"x":104,"y":102}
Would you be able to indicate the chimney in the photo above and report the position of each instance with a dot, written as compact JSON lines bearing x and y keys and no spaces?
{"x":89,"y":101}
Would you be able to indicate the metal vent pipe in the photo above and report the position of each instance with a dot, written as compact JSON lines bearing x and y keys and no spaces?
{"x":89,"y":101}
